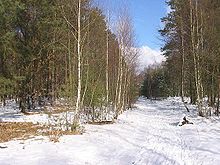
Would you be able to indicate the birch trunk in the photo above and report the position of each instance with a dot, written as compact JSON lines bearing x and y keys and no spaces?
{"x":195,"y":52}
{"x":124,"y":90}
{"x":79,"y":54}
{"x":106,"y":71}
{"x":118,"y":87}
{"x":183,"y":66}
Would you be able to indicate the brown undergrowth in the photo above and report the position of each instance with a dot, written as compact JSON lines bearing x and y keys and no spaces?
{"x":21,"y":130}
{"x":101,"y":122}
{"x":56,"y":110}
{"x":49,"y":110}
{"x":54,"y":135}
{"x":26,"y":130}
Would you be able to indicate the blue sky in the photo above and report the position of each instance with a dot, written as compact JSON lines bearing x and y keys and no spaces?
{"x":146,"y":15}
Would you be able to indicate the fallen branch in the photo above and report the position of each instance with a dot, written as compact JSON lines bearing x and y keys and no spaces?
{"x":185,"y":121}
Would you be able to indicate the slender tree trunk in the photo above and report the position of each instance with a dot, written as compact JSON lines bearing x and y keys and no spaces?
{"x":129,"y":99}
{"x":218,"y":103}
{"x":117,"y":85}
{"x":79,"y":55}
{"x":70,"y":66}
{"x":124,"y":90}
{"x":106,"y":71}
{"x":195,"y":56}
{"x":86,"y":84}
{"x":120,"y":83}
{"x":183,"y":66}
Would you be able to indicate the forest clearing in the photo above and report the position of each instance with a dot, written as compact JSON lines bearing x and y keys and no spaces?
{"x":148,"y":134}
{"x":90,"y":82}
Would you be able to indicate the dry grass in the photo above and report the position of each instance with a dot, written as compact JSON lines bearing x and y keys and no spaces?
{"x":57,"y":110}
{"x":30,"y":113}
{"x":21,"y":130}
{"x":54,"y":135}
{"x":101,"y":122}
{"x":27,"y":130}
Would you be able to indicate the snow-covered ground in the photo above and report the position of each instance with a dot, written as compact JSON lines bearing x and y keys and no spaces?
{"x":146,"y":135}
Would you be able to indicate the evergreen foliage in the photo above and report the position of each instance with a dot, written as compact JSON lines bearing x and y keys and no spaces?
{"x":191,"y":35}
{"x":38,"y":54}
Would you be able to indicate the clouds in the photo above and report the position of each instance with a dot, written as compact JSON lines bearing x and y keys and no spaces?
{"x":148,"y":56}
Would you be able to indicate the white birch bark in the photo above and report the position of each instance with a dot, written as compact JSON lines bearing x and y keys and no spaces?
{"x":79,"y":54}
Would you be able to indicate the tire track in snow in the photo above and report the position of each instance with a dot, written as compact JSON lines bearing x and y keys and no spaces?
{"x":160,"y":126}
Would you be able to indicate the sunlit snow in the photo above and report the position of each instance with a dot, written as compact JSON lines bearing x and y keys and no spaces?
{"x":147,"y":135}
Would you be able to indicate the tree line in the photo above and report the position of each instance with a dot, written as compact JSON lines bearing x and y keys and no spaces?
{"x":66,"y":49}
{"x":191,"y":36}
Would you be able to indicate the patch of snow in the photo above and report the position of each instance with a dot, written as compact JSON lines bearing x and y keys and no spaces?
{"x":146,"y":135}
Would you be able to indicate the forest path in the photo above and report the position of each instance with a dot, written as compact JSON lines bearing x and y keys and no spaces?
{"x":147,"y":135}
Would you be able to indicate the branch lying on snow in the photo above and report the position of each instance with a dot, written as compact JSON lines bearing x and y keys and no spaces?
{"x":2,"y":147}
{"x":185,"y":121}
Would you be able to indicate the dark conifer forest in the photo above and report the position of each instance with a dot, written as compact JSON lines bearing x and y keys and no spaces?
{"x":192,"y":50}
{"x":66,"y":49}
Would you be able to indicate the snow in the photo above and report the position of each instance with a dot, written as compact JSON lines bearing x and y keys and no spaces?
{"x":147,"y":135}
